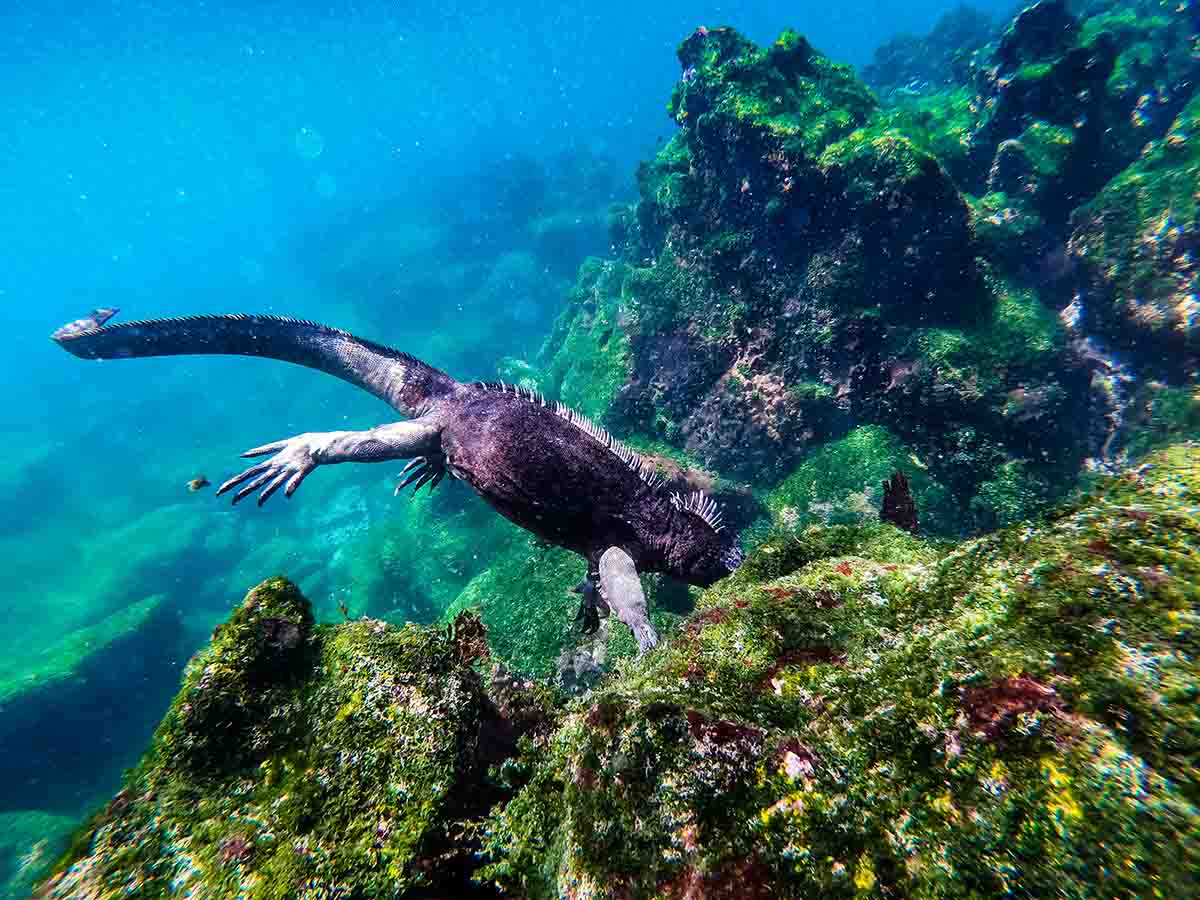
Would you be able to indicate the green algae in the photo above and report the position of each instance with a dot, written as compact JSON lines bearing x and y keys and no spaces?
{"x":412,"y":565}
{"x":854,"y":711}
{"x":841,"y":482}
{"x":587,"y":353}
{"x":1161,"y":415}
{"x":1018,"y":713}
{"x":1136,"y":238}
{"x":297,"y":761}
{"x":524,"y":599}
{"x":63,"y":660}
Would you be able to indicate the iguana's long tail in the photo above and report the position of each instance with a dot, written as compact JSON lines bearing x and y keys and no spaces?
{"x":403,"y":381}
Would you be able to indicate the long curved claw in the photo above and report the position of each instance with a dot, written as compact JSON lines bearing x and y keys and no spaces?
{"x":422,"y":470}
{"x":591,"y":606}
{"x":426,"y":475}
{"x":238,"y":479}
{"x":252,"y":486}
{"x":294,"y":458}
{"x":417,"y":473}
{"x":271,"y":488}
{"x":273,"y":447}
{"x":293,"y":483}
{"x":415,"y":461}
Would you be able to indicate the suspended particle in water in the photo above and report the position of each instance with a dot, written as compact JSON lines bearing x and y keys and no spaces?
{"x":309,"y":143}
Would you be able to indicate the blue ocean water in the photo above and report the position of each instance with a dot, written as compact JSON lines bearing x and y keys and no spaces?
{"x":356,"y":163}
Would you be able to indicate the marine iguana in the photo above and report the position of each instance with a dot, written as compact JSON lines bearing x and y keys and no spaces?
{"x":538,"y":463}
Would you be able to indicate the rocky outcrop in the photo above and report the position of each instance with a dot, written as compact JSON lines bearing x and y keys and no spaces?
{"x":1137,"y":245}
{"x":855,"y":711}
{"x":299,"y":761}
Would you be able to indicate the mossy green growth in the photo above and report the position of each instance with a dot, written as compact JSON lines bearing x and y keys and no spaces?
{"x":1137,"y":239}
{"x":1161,"y":415}
{"x":940,"y":124}
{"x":1018,"y":714}
{"x":586,"y":358}
{"x":1161,"y":183}
{"x":1047,"y":147}
{"x":841,"y":482}
{"x":298,"y":762}
{"x":1012,"y":494}
{"x":411,"y":566}
{"x":1015,"y":341}
{"x":1008,"y":226}
{"x":524,"y":600}
{"x":787,"y":92}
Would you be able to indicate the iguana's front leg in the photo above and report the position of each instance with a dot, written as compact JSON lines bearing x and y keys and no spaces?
{"x":296,"y":457}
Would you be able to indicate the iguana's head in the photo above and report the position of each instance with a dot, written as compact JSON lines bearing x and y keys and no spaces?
{"x":702,"y":550}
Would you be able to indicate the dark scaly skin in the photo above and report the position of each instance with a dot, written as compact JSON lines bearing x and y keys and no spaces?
{"x":532,"y":465}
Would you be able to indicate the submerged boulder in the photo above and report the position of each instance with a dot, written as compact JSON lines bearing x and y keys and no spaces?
{"x":802,"y":263}
{"x":1138,"y":245}
{"x":856,"y":713}
{"x":302,"y":761}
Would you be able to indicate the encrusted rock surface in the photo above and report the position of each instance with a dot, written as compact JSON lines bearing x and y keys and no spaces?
{"x":856,"y":712}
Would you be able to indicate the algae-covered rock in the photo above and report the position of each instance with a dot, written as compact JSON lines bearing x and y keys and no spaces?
{"x":803,"y":263}
{"x":908,"y":66}
{"x":855,"y":713}
{"x":302,"y":761}
{"x":524,"y":598}
{"x":1137,"y":244}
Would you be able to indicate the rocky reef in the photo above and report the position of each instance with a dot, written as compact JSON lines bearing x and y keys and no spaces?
{"x":856,"y":712}
{"x":972,"y":266}
{"x":306,"y":762}
{"x":990,"y":256}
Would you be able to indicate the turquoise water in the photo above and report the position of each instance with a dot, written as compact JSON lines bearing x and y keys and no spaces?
{"x":400,"y":170}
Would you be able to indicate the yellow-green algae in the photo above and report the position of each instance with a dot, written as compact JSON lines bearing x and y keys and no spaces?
{"x":300,"y":762}
{"x":587,"y":351}
{"x":856,"y":712}
{"x":1017,"y":716}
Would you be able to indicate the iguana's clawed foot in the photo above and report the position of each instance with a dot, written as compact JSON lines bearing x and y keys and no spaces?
{"x":423,"y":469}
{"x":294,"y":459}
{"x":591,"y":606}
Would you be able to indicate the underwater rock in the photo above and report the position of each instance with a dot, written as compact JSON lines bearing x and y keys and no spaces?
{"x":857,"y":713}
{"x":304,"y":761}
{"x":908,"y":66}
{"x":803,"y":263}
{"x":1137,"y":245}
{"x":855,"y":710}
{"x":1099,"y":84}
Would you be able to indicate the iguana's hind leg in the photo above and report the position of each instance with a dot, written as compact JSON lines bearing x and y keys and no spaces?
{"x":622,"y":591}
{"x":296,"y":457}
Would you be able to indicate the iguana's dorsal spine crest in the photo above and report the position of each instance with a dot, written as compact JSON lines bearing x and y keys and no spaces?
{"x":698,"y":503}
